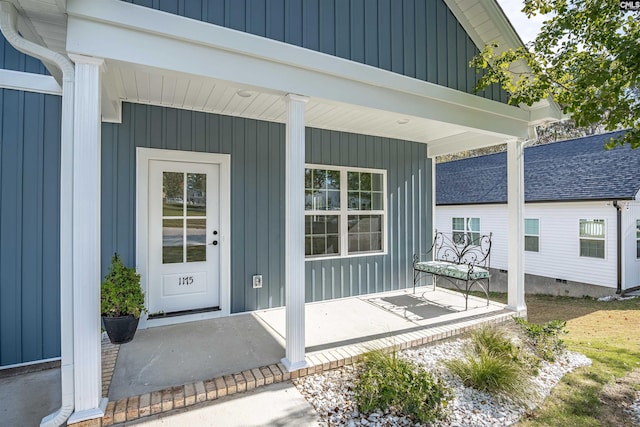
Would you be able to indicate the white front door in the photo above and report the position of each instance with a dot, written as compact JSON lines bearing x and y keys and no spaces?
{"x":183,"y":236}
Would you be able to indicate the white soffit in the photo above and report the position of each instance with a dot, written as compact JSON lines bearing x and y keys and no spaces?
{"x":139,"y":84}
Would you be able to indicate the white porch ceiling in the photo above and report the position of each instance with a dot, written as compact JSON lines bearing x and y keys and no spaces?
{"x":139,"y":84}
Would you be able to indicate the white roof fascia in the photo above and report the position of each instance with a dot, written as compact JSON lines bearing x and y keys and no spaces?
{"x":113,"y":29}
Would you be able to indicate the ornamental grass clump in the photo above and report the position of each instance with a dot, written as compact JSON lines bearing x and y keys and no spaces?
{"x":389,"y":383}
{"x":495,"y":364}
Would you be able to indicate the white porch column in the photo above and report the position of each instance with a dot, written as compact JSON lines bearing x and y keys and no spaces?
{"x":515,"y":207}
{"x":294,"y":233}
{"x":86,"y":241}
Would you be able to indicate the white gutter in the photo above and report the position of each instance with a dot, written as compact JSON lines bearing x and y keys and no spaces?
{"x":8,"y":25}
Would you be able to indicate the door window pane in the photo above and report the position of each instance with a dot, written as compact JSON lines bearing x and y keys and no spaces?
{"x":196,"y":194}
{"x":196,"y":240}
{"x":184,"y":210}
{"x":172,"y":241}
{"x":172,"y":194}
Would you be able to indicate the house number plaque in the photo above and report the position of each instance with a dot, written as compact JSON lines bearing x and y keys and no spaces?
{"x":183,"y":284}
{"x":185,"y":280}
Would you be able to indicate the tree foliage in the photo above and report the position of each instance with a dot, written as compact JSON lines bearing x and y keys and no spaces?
{"x":586,"y":56}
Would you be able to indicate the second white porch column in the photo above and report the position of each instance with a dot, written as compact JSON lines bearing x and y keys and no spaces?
{"x":294,"y":233}
{"x":86,"y":241}
{"x":515,"y":207}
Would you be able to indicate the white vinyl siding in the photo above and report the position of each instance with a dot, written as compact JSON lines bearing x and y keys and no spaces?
{"x":559,"y":255}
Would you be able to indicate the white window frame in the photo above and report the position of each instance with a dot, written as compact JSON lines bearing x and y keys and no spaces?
{"x":467,"y":227}
{"x":602,"y":239}
{"x":532,"y":235}
{"x":344,"y":212}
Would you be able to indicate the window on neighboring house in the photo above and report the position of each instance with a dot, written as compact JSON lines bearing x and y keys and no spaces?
{"x":638,"y":238}
{"x":344,"y":211}
{"x":532,"y":234}
{"x":592,"y":238}
{"x":468,"y":226}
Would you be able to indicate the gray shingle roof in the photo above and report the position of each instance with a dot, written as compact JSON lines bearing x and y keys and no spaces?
{"x":577,"y":169}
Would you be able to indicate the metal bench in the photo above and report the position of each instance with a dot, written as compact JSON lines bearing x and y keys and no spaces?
{"x":461,"y":259}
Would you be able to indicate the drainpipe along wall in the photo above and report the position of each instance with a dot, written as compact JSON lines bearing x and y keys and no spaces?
{"x":8,"y":25}
{"x":618,"y":207}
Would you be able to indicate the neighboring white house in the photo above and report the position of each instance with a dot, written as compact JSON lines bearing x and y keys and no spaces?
{"x":579,"y":199}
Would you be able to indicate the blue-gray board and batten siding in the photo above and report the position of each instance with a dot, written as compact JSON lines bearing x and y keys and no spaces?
{"x":257,"y":198}
{"x":416,"y":38}
{"x":29,"y":218}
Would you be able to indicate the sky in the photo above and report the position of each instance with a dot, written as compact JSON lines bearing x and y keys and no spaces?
{"x":526,"y":28}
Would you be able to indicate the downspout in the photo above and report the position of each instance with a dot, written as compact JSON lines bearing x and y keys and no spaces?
{"x":619,"y":244}
{"x":8,"y":25}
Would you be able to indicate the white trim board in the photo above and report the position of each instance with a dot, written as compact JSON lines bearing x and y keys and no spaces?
{"x":143,"y":156}
{"x":29,"y":82}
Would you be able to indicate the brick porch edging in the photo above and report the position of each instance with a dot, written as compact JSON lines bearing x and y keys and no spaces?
{"x":162,"y":401}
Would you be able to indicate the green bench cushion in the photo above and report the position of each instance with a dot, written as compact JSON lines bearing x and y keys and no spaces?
{"x":450,"y":269}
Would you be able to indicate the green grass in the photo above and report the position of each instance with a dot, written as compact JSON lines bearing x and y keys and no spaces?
{"x":607,"y":333}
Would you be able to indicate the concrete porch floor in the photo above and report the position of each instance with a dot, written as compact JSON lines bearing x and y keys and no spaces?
{"x":172,"y":367}
{"x":169,"y":356}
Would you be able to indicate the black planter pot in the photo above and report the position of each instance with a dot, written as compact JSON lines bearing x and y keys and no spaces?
{"x":120,"y":329}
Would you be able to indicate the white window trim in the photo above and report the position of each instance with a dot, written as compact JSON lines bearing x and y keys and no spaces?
{"x":603,"y":239}
{"x":344,"y":212}
{"x":534,"y":235}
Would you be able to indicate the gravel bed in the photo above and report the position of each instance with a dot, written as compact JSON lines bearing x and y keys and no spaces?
{"x":634,"y":410}
{"x":331,"y":394}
